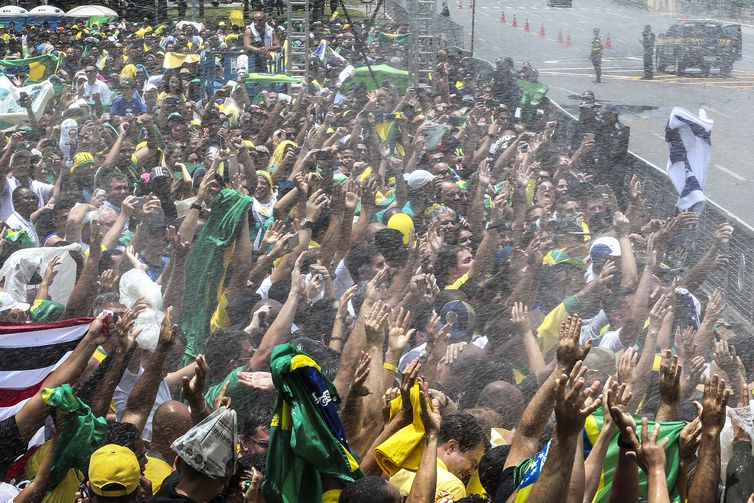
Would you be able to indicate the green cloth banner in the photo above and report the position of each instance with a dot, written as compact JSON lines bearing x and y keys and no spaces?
{"x":206,"y":266}
{"x":80,"y":433}
{"x":399,"y":78}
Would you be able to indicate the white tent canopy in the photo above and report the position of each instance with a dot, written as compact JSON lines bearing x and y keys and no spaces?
{"x":47,"y":10}
{"x":13,"y":11}
{"x":91,"y":10}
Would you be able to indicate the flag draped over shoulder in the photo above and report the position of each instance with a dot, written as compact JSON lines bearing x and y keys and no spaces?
{"x":528,"y":471}
{"x":690,"y":150}
{"x":37,"y":65}
{"x":306,"y":436}
{"x":206,"y":265}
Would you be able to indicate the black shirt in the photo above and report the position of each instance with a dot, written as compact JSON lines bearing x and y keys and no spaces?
{"x":167,"y":491}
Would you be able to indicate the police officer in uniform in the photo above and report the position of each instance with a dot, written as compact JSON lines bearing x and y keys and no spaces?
{"x":596,"y":55}
{"x":648,"y":44}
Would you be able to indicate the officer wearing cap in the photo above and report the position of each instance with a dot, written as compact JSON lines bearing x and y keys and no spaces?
{"x":648,"y":45}
{"x":596,"y":56}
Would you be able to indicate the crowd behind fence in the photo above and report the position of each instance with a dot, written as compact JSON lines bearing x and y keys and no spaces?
{"x":737,"y":279}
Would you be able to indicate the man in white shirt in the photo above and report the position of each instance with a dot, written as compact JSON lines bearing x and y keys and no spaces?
{"x":95,"y":86}
{"x":20,"y":167}
{"x":25,"y":202}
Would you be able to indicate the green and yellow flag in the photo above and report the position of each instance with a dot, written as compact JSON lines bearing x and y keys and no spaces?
{"x":208,"y":262}
{"x":39,"y":66}
{"x":307,"y":439}
{"x":528,"y":471}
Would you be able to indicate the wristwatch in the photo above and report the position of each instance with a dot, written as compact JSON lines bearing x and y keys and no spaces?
{"x":306,"y":224}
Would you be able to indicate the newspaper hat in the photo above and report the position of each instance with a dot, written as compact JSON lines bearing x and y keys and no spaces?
{"x":210,"y":446}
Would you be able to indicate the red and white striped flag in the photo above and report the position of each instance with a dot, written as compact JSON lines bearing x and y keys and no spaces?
{"x":29,"y":353}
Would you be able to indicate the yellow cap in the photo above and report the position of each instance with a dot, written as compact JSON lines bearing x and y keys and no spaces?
{"x":266,"y":175}
{"x":81,"y":159}
{"x":403,"y":223}
{"x":115,"y":466}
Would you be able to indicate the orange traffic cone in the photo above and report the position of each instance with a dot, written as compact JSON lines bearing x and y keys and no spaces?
{"x":526,"y":24}
{"x":608,"y":42}
{"x":502,"y":17}
{"x":560,"y":36}
{"x":542,"y":31}
{"x":569,"y":42}
{"x":515,"y":22}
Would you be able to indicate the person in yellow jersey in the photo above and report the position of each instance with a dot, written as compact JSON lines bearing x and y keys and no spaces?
{"x":461,"y":444}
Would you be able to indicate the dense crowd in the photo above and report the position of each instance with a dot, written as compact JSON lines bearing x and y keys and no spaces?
{"x":347,"y":290}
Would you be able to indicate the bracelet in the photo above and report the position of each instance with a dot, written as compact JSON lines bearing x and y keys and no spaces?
{"x":196,"y":207}
{"x":390,"y":367}
{"x":623,"y":444}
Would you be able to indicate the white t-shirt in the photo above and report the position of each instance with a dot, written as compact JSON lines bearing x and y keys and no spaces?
{"x":16,"y":222}
{"x":100,"y":87}
{"x":125,"y":386}
{"x":42,"y":190}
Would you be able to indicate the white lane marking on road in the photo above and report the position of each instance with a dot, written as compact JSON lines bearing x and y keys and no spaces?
{"x":730,"y":172}
{"x":566,"y":90}
{"x":718,"y":113}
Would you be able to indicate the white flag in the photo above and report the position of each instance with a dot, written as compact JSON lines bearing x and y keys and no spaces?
{"x":12,"y":111}
{"x":690,"y":150}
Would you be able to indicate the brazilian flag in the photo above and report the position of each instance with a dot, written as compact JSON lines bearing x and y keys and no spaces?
{"x":306,"y":436}
{"x":208,"y":262}
{"x":528,"y":471}
{"x":38,"y":66}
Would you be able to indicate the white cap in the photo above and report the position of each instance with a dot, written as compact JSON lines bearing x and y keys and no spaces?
{"x":7,"y":302}
{"x":418,"y":179}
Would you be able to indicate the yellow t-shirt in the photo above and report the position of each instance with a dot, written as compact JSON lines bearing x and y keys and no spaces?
{"x":156,"y":471}
{"x":458,"y":283}
{"x":448,"y":488}
{"x":66,"y":491}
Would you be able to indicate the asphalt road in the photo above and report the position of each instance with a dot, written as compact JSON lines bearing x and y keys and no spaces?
{"x":644,"y":105}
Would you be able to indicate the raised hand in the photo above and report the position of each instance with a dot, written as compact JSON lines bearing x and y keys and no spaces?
{"x":617,"y":399}
{"x":193,"y":389}
{"x":660,"y":309}
{"x":571,"y":409}
{"x":713,"y":404}
{"x":648,"y":454}
{"x":715,"y":306}
{"x":519,"y":317}
{"x":725,"y":358}
{"x":408,"y":379}
{"x":689,"y":439}
{"x":670,"y":378}
{"x":569,"y":350}
{"x":375,"y":323}
{"x":430,"y":411}
{"x":358,"y":386}
{"x":256,"y":380}
{"x":398,"y":323}
{"x":627,"y":365}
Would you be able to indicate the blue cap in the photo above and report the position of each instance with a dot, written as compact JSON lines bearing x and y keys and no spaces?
{"x":463,"y":318}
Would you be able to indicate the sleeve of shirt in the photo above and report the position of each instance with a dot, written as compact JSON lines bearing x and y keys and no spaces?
{"x":548,"y":331}
{"x":211,"y":395}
